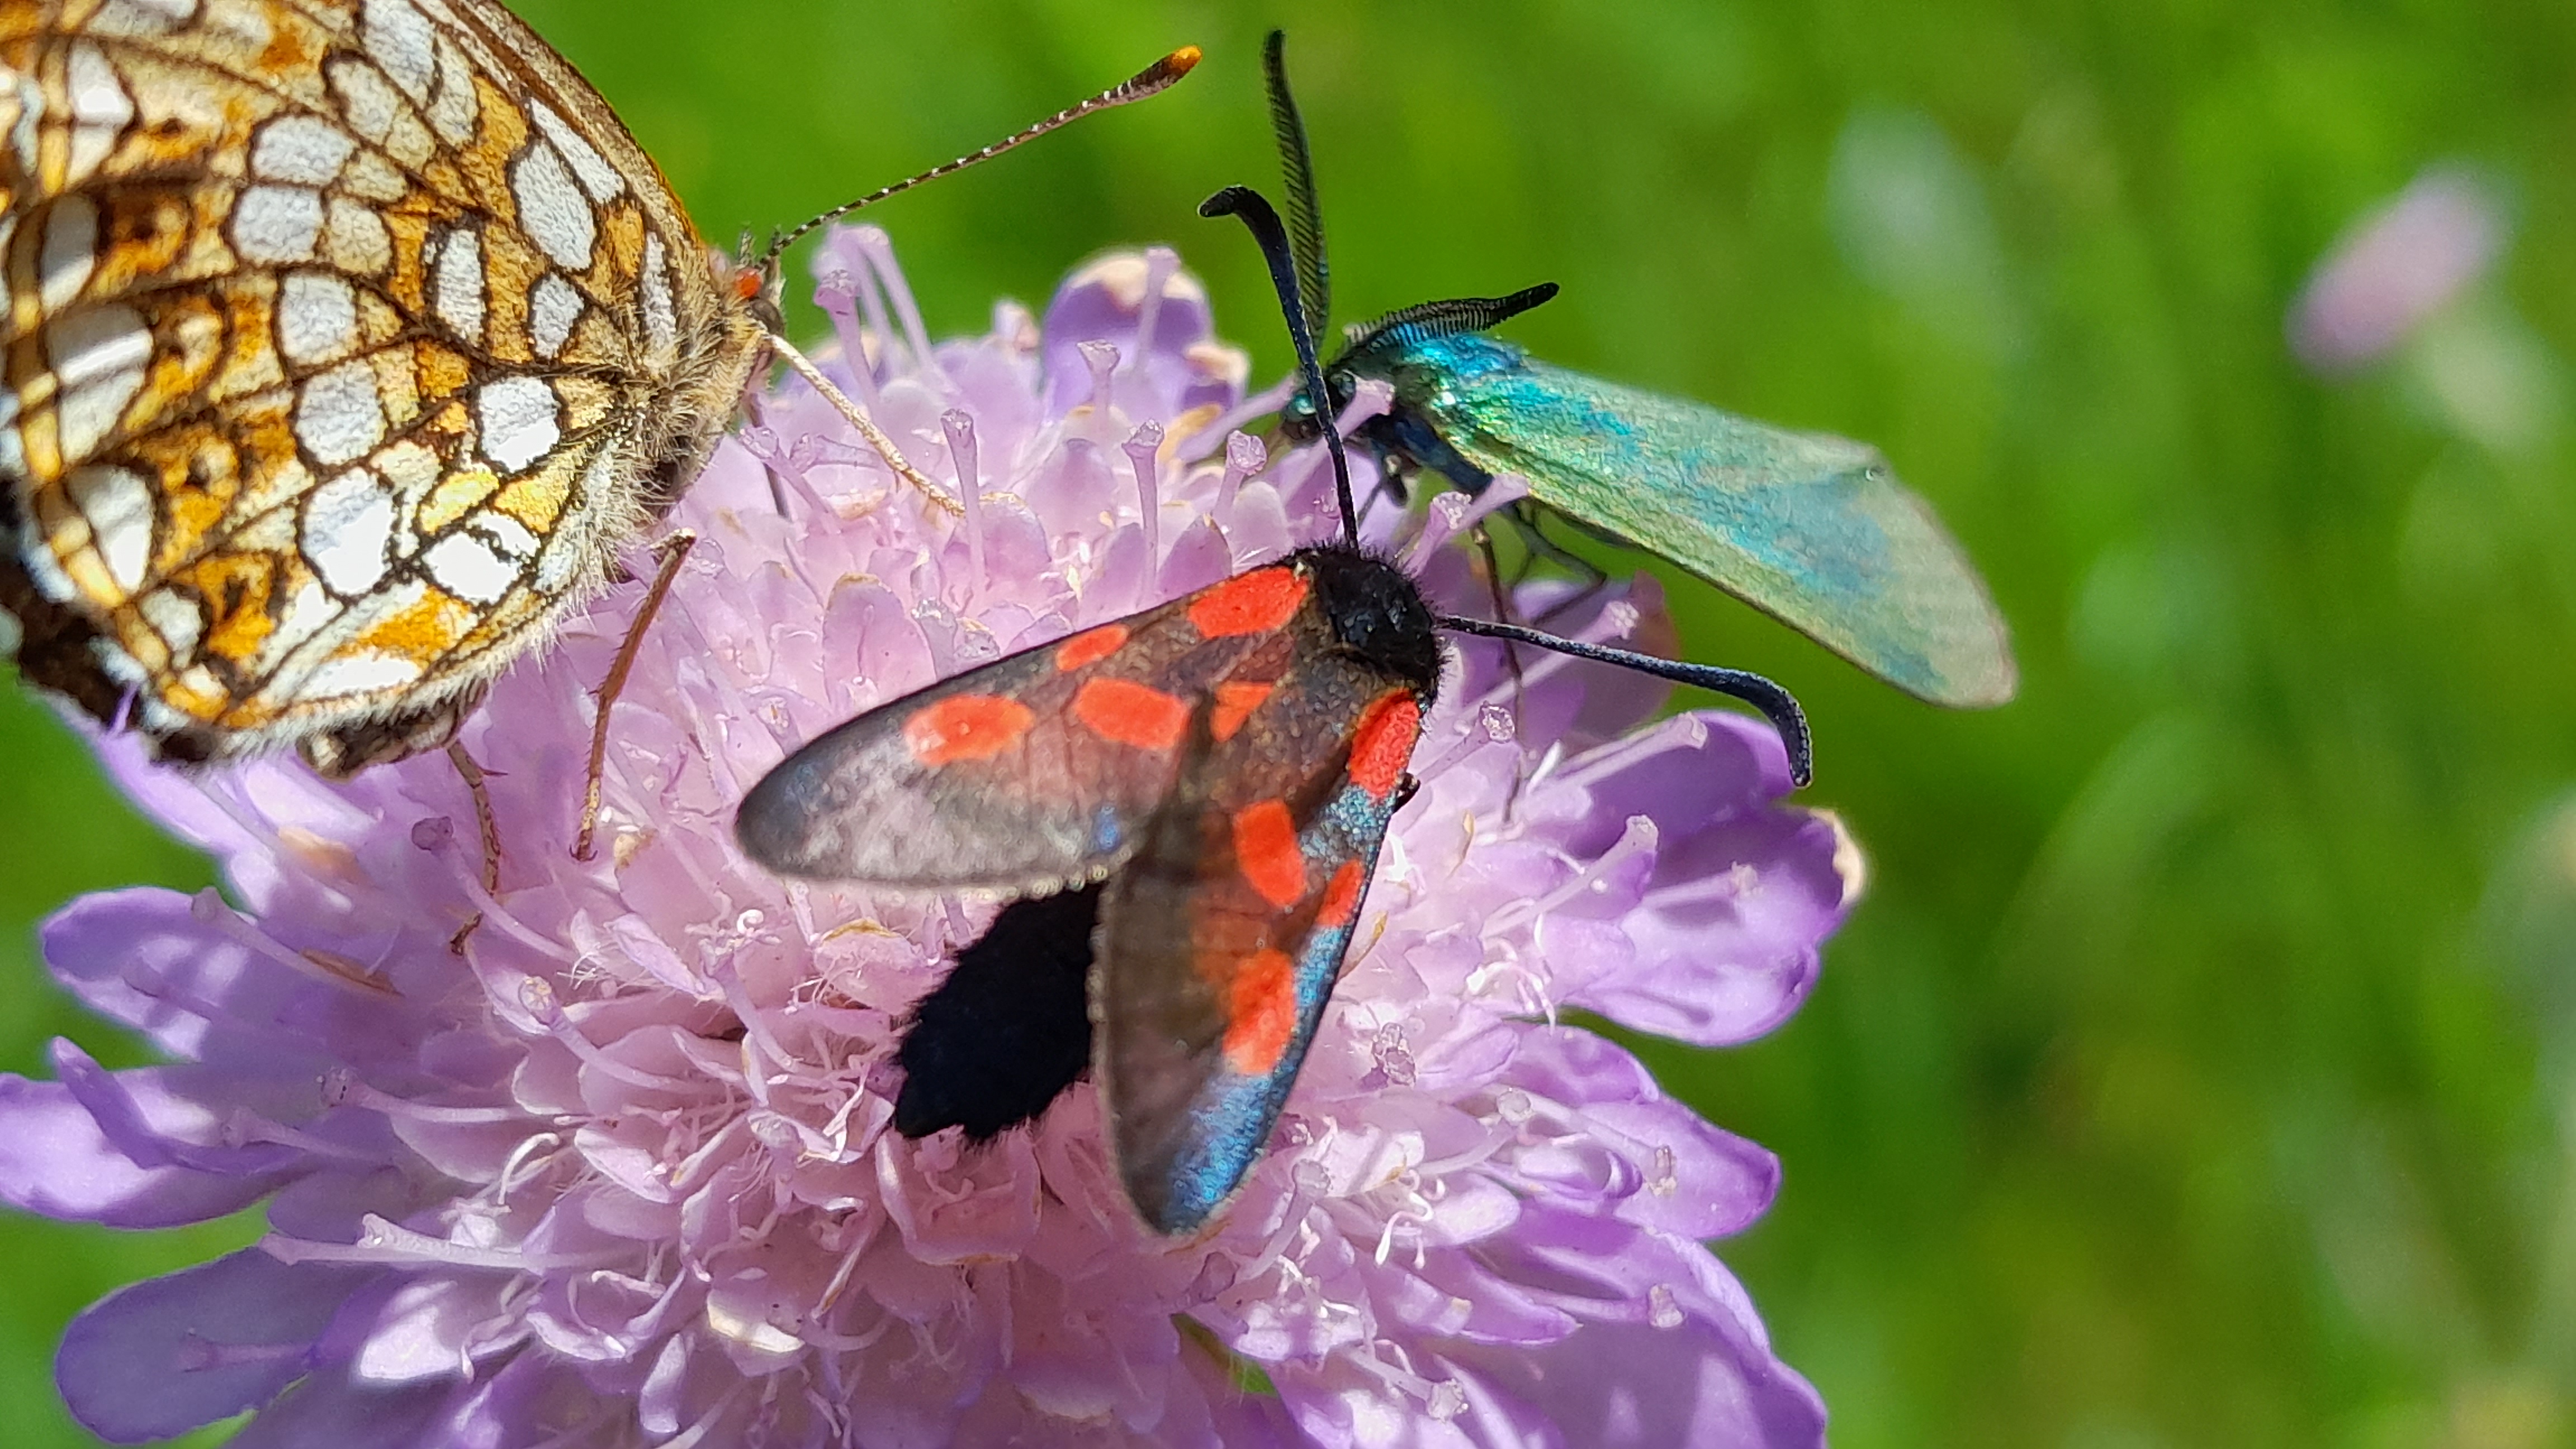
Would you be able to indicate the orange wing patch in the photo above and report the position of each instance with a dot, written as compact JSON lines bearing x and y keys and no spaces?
{"x":1253,"y":603}
{"x":1235,"y":703}
{"x":1266,"y":851}
{"x":966,"y":727}
{"x":1090,"y":647}
{"x":1383,"y":742}
{"x":1131,"y":713}
{"x":1261,"y":1012}
{"x":1341,"y":896}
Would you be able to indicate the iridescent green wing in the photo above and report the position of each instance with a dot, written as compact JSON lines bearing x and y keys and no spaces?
{"x":1812,"y":529}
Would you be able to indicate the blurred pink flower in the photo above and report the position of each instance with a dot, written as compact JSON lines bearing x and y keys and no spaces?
{"x":602,"y":1156}
{"x":2395,"y":268}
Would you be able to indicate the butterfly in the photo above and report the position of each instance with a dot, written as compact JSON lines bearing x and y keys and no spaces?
{"x":1812,"y":529}
{"x":349,"y":342}
{"x":1209,"y":781}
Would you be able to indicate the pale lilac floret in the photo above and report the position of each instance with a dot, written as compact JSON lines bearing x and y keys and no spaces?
{"x":2396,"y":268}
{"x":601,"y":1157}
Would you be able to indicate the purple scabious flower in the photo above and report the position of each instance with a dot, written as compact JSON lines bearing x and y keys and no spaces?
{"x":597,"y":1152}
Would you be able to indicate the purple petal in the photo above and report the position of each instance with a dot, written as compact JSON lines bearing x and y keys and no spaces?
{"x":322,"y":1413}
{"x":55,"y":1160}
{"x":166,"y":1356}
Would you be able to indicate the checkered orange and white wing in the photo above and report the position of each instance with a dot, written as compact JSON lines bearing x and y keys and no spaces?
{"x":347,"y":342}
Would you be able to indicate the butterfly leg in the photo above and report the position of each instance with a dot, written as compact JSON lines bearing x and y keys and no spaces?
{"x":1390,"y":479}
{"x":674,"y":549}
{"x":751,"y":413}
{"x":1511,"y":655}
{"x":487,"y":826}
{"x":1524,"y":517}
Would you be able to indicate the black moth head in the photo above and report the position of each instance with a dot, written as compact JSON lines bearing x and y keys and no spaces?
{"x":1378,"y":613}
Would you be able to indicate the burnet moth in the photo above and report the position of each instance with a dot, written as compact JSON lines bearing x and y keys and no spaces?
{"x":1202,"y":788}
{"x":1812,"y":529}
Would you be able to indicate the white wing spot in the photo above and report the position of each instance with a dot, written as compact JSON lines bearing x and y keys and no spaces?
{"x":305,"y":150}
{"x":368,"y":673}
{"x":348,"y":522}
{"x":98,"y":359}
{"x":459,"y":296}
{"x":519,"y":421}
{"x":309,"y":609}
{"x":179,"y":623}
{"x":143,"y":17}
{"x":118,"y":505}
{"x":553,"y":308}
{"x":317,"y":318}
{"x":507,"y":535}
{"x":400,"y":39}
{"x":661,"y":321}
{"x":101,"y":110}
{"x":29,"y":99}
{"x":454,"y":108}
{"x":70,"y":252}
{"x":597,"y":177}
{"x":338,"y":416}
{"x":466,"y":566}
{"x":277,"y":225}
{"x":552,"y":211}
{"x":367,"y":102}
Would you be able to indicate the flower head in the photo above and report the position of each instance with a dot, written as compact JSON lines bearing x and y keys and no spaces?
{"x":598,"y":1152}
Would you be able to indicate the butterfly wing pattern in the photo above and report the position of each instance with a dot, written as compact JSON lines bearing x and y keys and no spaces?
{"x":347,"y":341}
{"x":1812,"y":529}
{"x":1236,"y":836}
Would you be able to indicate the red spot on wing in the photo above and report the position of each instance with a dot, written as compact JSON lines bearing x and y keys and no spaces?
{"x":1089,"y":647}
{"x":965,"y":727}
{"x":1132,"y":713}
{"x":1234,"y":704}
{"x":1341,"y":897}
{"x":1253,"y":603}
{"x":1383,"y":742}
{"x":1265,"y":850}
{"x":1260,"y":1012}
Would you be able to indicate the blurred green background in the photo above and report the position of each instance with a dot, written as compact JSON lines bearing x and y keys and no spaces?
{"x":2201,"y":1068}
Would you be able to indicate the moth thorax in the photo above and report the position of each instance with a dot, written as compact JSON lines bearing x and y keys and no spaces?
{"x":1377,"y":612}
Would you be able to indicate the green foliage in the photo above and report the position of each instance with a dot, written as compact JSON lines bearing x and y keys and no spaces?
{"x":2198,"y":1070}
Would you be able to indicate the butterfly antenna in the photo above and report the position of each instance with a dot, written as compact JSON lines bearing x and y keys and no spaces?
{"x":1152,"y":80}
{"x":1776,"y":704}
{"x":1262,"y":220}
{"x":1297,"y":170}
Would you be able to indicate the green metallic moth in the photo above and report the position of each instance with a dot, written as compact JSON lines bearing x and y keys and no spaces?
{"x":1812,"y":529}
